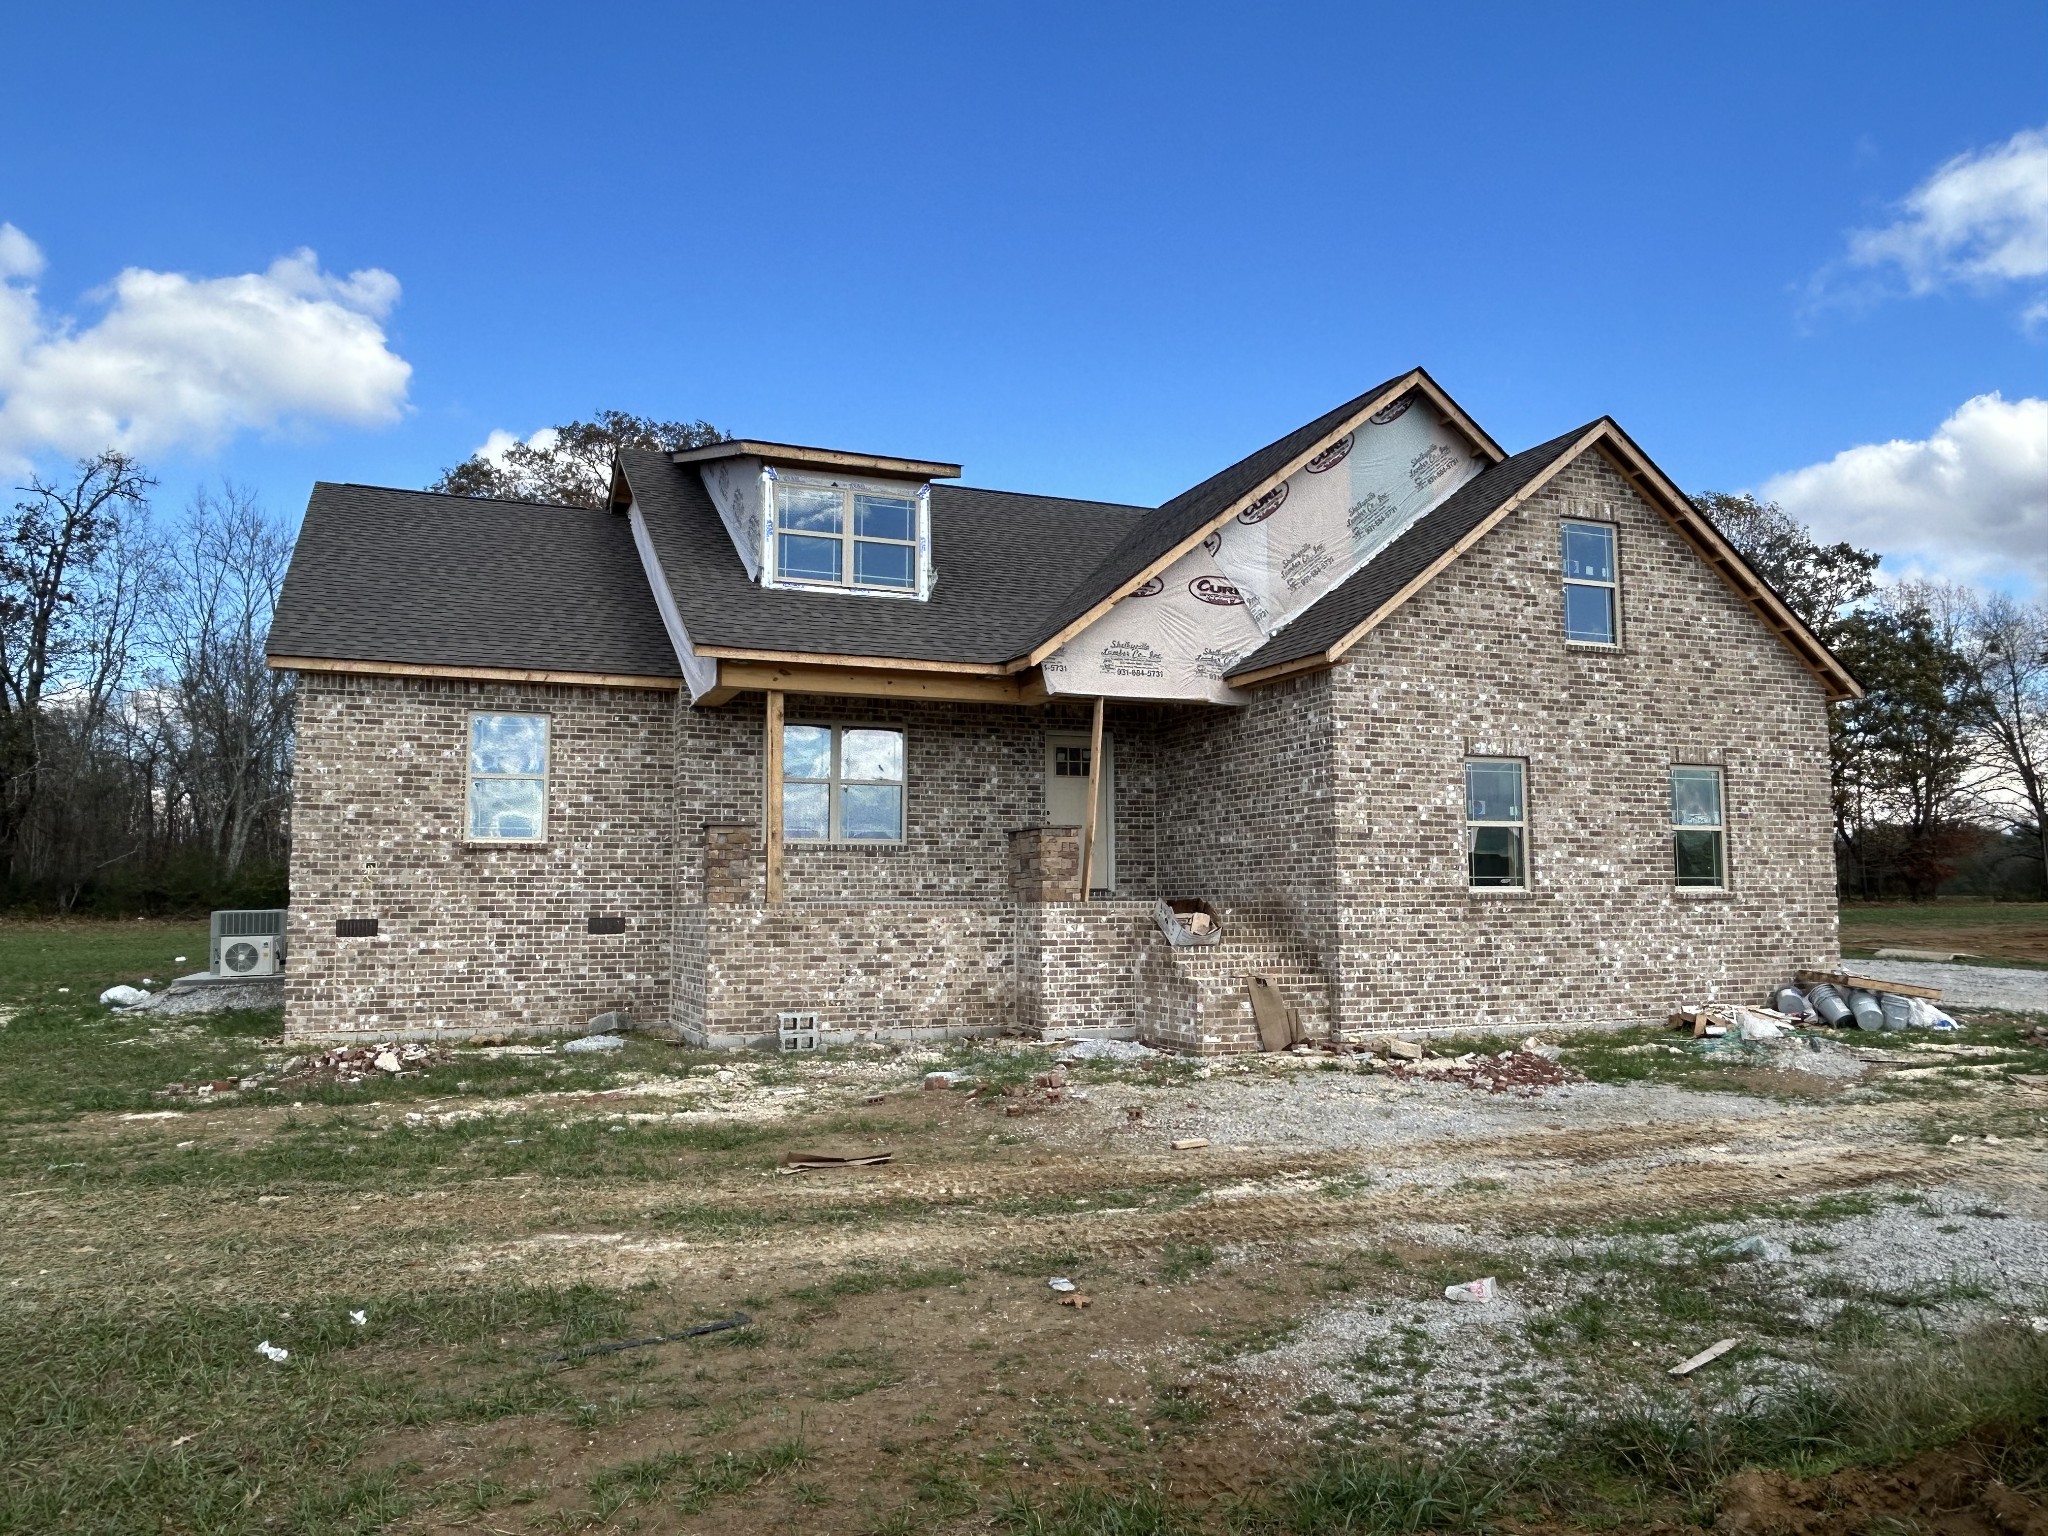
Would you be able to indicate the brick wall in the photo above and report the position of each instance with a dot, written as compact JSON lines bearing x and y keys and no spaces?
{"x":1248,"y":813}
{"x":471,"y":936}
{"x":1477,"y":664}
{"x":874,"y":968}
{"x":1079,"y":963}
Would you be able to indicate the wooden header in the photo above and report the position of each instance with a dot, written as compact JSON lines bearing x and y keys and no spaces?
{"x":735,"y":677}
{"x":797,"y":456}
{"x":472,"y":674}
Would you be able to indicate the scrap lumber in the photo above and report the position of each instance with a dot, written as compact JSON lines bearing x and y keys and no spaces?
{"x":1866,"y":984}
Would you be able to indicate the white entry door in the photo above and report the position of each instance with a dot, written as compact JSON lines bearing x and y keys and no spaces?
{"x":1066,"y":798}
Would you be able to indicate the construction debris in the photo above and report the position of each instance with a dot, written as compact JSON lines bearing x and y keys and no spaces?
{"x":1191,"y":1144}
{"x":737,"y":1320}
{"x":1405,"y":1050}
{"x":806,"y":1162}
{"x":1522,"y":1072}
{"x":1706,"y":1356}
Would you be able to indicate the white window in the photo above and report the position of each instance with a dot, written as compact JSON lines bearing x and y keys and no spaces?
{"x":1698,"y":853}
{"x":508,"y":778}
{"x":1589,"y":590}
{"x":841,"y":536}
{"x":1496,"y":823}
{"x":842,"y":783}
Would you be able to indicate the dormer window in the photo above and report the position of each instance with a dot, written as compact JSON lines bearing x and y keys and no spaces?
{"x":842,"y":536}
{"x":824,"y":520}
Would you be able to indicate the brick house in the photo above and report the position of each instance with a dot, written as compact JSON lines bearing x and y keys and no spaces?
{"x":1444,"y":735}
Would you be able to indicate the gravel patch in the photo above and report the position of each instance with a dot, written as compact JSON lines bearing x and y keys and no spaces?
{"x":1364,"y":1110}
{"x":1514,"y":1370}
{"x":1965,"y":986}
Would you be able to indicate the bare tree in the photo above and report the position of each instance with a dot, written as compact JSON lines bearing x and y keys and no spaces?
{"x":231,"y":724}
{"x":2007,"y":646}
{"x":73,"y":567}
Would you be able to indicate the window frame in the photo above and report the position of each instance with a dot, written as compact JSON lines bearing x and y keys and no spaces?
{"x":545,"y":778}
{"x":1719,"y":827}
{"x":835,"y":785}
{"x":1611,"y":586}
{"x":848,"y":537}
{"x":1520,"y":825}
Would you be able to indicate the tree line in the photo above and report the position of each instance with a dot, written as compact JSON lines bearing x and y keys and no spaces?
{"x":145,"y":747}
{"x":1940,"y":770}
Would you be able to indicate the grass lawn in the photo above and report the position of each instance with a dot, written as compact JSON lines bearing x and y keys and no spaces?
{"x":432,"y":1250}
{"x":2000,"y":932}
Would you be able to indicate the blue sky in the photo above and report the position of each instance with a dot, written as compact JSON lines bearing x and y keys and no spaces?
{"x":1096,"y":250}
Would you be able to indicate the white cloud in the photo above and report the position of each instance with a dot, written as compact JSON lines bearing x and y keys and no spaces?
{"x":1969,"y":502}
{"x":494,"y":447}
{"x":177,"y":361}
{"x":1980,"y":221}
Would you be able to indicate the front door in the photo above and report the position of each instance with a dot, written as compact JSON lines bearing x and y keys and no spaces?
{"x":1066,"y":798}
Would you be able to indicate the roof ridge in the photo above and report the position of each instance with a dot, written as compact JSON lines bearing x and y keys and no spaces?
{"x":503,"y":501}
{"x":1083,"y":501}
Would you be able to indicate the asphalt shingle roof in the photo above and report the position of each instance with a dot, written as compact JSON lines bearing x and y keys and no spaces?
{"x":1374,"y":585}
{"x":1003,"y":561}
{"x":408,"y":576}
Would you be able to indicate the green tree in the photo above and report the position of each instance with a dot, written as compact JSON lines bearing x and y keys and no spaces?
{"x":1905,"y":753}
{"x":1818,"y":582}
{"x":570,"y":464}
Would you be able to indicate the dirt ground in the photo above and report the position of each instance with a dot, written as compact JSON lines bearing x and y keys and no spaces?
{"x":907,"y":1367}
{"x":1990,"y":930}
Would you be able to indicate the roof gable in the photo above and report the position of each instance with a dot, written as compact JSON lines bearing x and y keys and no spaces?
{"x":1183,"y":522}
{"x":1327,"y":632}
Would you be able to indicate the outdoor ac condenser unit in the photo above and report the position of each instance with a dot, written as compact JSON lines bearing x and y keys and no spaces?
{"x":253,"y":956}
{"x":246,"y":926}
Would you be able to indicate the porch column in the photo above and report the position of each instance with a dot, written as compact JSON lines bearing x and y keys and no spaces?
{"x":1094,"y":798}
{"x":771,"y":820}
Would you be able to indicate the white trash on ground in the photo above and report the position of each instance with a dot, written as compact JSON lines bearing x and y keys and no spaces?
{"x":1059,"y":1283}
{"x":360,"y":1319}
{"x":272,"y":1353}
{"x":1471,"y":1290}
{"x":119,"y":997}
{"x":595,"y":1043}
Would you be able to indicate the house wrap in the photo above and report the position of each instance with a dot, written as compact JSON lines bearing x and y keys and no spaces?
{"x":1440,"y":734}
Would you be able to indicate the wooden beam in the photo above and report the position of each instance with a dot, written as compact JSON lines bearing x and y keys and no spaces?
{"x":864,"y":663}
{"x":472,"y":674}
{"x":1088,"y":817}
{"x":861,"y":683}
{"x":821,"y":458}
{"x":771,"y":821}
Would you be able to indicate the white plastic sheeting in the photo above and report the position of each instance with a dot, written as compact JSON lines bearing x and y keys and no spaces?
{"x":739,"y":490}
{"x":1176,"y":637}
{"x":743,"y":490}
